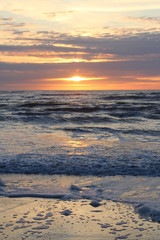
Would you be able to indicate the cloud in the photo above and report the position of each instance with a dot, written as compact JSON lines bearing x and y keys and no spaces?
{"x":57,"y":14}
{"x":4,"y":19}
{"x":142,"y":43}
{"x":113,"y":70}
{"x":69,"y":48}
{"x":145,"y":19}
{"x":10,"y":22}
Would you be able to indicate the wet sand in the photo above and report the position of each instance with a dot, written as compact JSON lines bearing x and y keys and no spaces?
{"x":31,"y":218}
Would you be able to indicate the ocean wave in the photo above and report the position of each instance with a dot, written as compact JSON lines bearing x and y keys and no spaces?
{"x":133,"y":164}
{"x":90,"y":106}
{"x":29,"y":121}
{"x":34,"y":104}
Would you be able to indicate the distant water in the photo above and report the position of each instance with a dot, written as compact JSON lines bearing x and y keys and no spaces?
{"x":96,"y":133}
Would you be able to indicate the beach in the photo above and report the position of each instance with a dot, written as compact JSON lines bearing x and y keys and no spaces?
{"x":68,"y":207}
{"x":31,"y":218}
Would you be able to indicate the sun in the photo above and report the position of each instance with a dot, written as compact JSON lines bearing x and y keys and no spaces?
{"x":76,"y":79}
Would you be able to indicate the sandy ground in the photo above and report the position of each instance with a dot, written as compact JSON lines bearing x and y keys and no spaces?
{"x":30,"y":218}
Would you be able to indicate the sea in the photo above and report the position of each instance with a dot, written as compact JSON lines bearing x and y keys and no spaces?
{"x":82,"y":144}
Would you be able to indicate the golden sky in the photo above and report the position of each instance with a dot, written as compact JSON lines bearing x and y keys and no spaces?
{"x":79,"y":44}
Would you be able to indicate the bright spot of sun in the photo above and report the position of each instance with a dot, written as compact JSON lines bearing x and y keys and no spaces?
{"x":76,"y":78}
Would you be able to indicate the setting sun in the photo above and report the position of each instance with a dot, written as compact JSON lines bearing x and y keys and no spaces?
{"x":76,"y":78}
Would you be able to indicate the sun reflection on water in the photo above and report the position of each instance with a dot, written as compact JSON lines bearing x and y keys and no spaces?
{"x":78,"y":143}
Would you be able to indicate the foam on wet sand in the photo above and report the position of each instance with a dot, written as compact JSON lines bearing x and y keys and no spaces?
{"x":31,"y":218}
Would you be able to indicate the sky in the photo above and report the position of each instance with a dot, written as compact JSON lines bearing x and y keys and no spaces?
{"x":79,"y":45}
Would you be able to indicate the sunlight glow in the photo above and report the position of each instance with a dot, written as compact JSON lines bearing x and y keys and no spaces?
{"x":76,"y":79}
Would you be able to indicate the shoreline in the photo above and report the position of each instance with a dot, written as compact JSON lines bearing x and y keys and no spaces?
{"x":30,"y":218}
{"x":72,"y":207}
{"x":141,"y":192}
